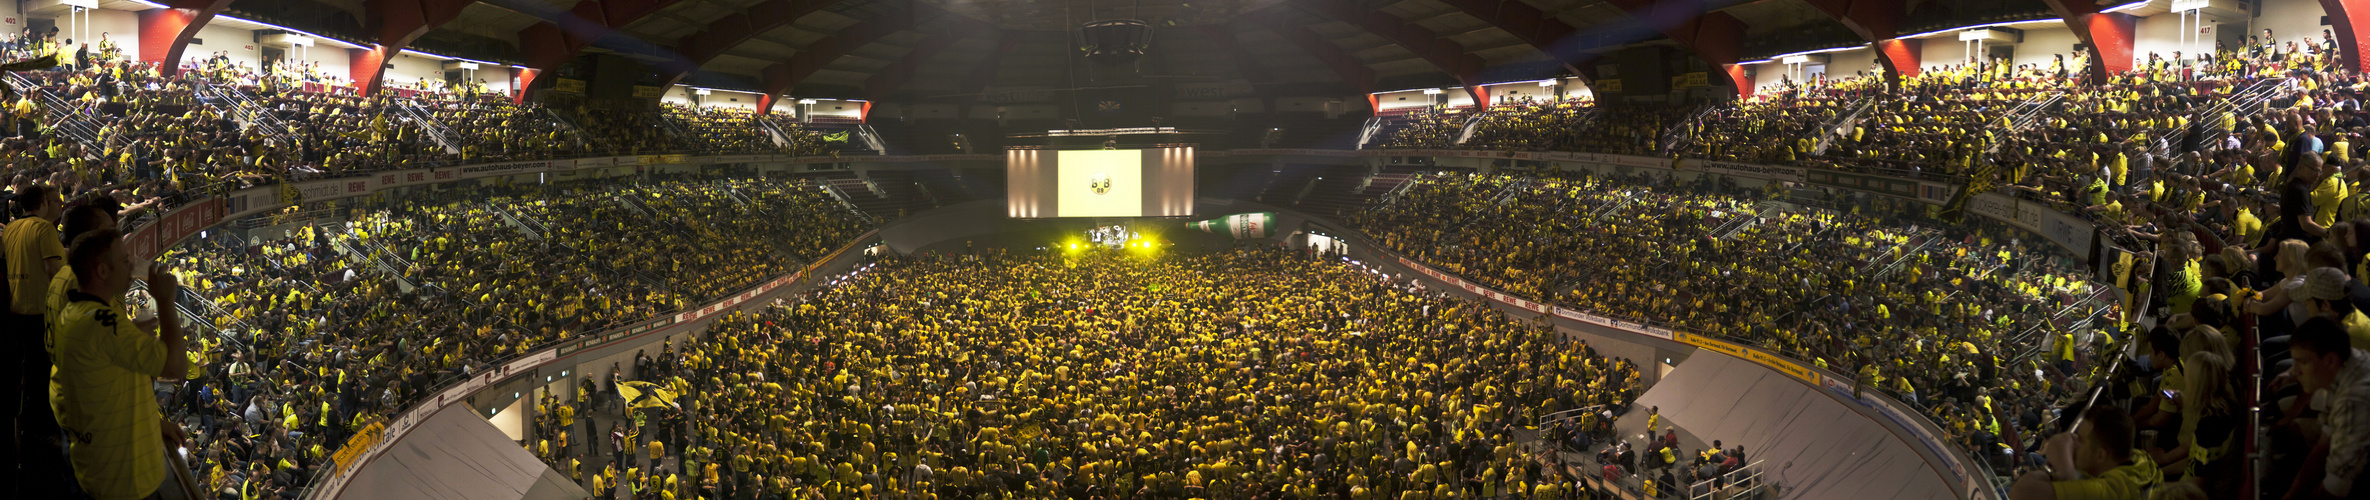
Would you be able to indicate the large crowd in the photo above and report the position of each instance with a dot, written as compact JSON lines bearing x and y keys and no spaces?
{"x":1245,"y":373}
{"x":2233,"y":178}
{"x":103,"y":125}
{"x":1935,"y":312}
{"x":316,"y":335}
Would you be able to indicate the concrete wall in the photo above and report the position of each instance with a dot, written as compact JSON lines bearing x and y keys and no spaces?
{"x":123,"y":27}
{"x":2289,"y":20}
{"x":1941,"y":51}
{"x":237,"y":43}
{"x":837,"y":108}
{"x":410,"y":68}
{"x":329,"y":60}
{"x":1394,"y":101}
{"x":12,"y":20}
{"x":723,"y":99}
{"x":1855,"y":62}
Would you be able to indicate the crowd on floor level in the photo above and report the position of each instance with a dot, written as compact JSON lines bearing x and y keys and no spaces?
{"x":2237,"y":176}
{"x":1247,"y":373}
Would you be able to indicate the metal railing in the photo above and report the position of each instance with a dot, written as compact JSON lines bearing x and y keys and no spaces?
{"x":1465,"y":133}
{"x":1366,"y":132}
{"x":1743,"y":483}
{"x":574,"y":132}
{"x":428,"y":125}
{"x":1681,"y":132}
{"x":774,"y":131}
{"x":77,"y":122}
{"x":240,"y":105}
{"x":872,"y":138}
{"x":1842,"y":124}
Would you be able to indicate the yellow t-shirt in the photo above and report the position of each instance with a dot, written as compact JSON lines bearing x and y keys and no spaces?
{"x":100,"y":392}
{"x":2128,"y":481}
{"x":2325,"y":199}
{"x":31,"y":241}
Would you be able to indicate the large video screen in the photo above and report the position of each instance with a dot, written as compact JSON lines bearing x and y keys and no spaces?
{"x":1100,"y":183}
{"x":1045,"y":183}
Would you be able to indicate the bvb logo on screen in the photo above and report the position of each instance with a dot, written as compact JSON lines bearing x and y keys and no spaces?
{"x":1100,"y":183}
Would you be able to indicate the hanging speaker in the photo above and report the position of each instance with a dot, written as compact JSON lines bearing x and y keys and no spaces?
{"x":1114,"y":42}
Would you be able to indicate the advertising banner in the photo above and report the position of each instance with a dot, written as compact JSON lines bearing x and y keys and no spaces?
{"x":1771,"y":172}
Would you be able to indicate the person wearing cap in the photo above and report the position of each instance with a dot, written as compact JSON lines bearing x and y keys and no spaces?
{"x":2324,"y":296}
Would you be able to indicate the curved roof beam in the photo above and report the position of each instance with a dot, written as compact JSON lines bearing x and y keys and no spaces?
{"x":564,"y":33}
{"x":901,"y":71}
{"x":399,"y":22}
{"x":1533,"y":26}
{"x":182,"y":18}
{"x":1352,"y":71}
{"x":700,"y":47}
{"x":1714,"y":37}
{"x":1446,"y":54}
{"x":781,"y":77}
{"x":2107,"y":36}
{"x":1878,"y":22}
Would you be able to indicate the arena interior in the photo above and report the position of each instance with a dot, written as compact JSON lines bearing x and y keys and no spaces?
{"x":1226,"y":249}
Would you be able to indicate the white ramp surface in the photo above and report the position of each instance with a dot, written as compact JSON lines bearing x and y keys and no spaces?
{"x":457,"y":456}
{"x":1809,"y":443}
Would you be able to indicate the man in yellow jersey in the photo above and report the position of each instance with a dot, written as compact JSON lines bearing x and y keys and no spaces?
{"x":34,"y":256}
{"x":101,"y":389}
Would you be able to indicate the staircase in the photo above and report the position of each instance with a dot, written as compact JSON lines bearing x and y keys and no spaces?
{"x":533,"y":231}
{"x":634,"y":204}
{"x":1842,"y":124}
{"x":1366,"y":133}
{"x":1681,"y":134}
{"x":77,"y":122}
{"x":1743,"y":220}
{"x":434,"y":130}
{"x":574,"y":132}
{"x":1465,"y":133}
{"x":773,"y":130}
{"x":242,"y":107}
{"x":872,"y":138}
{"x":1334,"y":190}
{"x":403,"y":283}
{"x":895,"y":194}
{"x":2246,"y":102}
{"x":1906,"y":256}
{"x":2023,"y":116}
{"x":675,"y":127}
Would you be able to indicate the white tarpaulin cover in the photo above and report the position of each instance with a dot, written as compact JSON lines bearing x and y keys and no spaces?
{"x":1834,"y":452}
{"x":457,"y":456}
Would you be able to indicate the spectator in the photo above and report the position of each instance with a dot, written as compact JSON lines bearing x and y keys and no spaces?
{"x":34,"y":256}
{"x":2094,"y":462}
{"x":105,"y":363}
